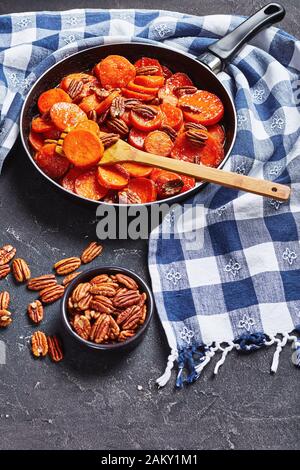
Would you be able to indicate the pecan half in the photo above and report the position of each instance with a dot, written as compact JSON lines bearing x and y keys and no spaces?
{"x":69,"y":278}
{"x":117,"y":107}
{"x":126,"y":281}
{"x":100,"y":329}
{"x":55,"y":348}
{"x":101,"y":93}
{"x":109,"y":139}
{"x":145,"y":111}
{"x":35,"y":311}
{"x":102,"y":304}
{"x":51,"y":294}
{"x":84,"y":303}
{"x":190,"y":108}
{"x":106,"y":289}
{"x":5,"y":318}
{"x":143,"y":314}
{"x":39,"y":344}
{"x":100,"y":278}
{"x":4,"y":300}
{"x":131,"y":103}
{"x":41,"y":282}
{"x":194,"y":125}
{"x":127,"y":196}
{"x":80,"y":291}
{"x":147,"y":70}
{"x":155,"y":102}
{"x":129,"y":318}
{"x":7,"y":252}
{"x":102,"y":117}
{"x":20,"y":270}
{"x":118,"y":126}
{"x":67,"y":265}
{"x":197,"y":137}
{"x":114,"y":329}
{"x":75,"y":88}
{"x":125,"y":298}
{"x":184,"y":90}
{"x":91,"y":252}
{"x":143,"y":299}
{"x":170,"y":131}
{"x":71,"y":309}
{"x":170,"y":188}
{"x":82,"y":326}
{"x":91,"y":314}
{"x":111,"y":197}
{"x":125,"y":334}
{"x":92,"y":115}
{"x":4,"y":270}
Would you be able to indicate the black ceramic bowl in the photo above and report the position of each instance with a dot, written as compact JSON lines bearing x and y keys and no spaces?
{"x":85,"y":277}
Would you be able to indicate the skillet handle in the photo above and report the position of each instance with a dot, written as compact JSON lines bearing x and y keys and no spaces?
{"x":224,"y":49}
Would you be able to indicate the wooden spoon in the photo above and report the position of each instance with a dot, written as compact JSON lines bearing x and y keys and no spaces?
{"x":123,"y":152}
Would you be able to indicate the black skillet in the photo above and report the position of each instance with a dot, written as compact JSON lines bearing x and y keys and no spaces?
{"x":203,"y":71}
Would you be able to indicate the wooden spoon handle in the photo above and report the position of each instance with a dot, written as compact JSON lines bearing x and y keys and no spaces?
{"x":267,"y":188}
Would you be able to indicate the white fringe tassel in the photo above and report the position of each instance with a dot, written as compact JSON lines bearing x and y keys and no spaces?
{"x":210,"y":353}
{"x":164,"y":379}
{"x":226,"y":350}
{"x":280,"y":345}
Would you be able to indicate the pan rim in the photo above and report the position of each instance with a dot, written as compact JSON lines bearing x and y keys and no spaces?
{"x":169,"y":200}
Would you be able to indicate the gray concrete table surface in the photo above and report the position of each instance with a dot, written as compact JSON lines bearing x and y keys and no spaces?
{"x":92,"y":401}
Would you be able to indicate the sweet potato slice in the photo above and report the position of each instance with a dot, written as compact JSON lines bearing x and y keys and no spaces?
{"x":115,"y":71}
{"x":36,"y":140}
{"x":168,"y":184}
{"x":158,"y":172}
{"x":202,"y":107}
{"x":66,"y":115}
{"x":68,"y":181}
{"x":166,"y":95}
{"x":137,"y":138}
{"x":137,"y":169}
{"x":188,"y":183}
{"x":111,"y":178}
{"x":172,"y":116}
{"x":150,"y":81}
{"x":142,"y":89}
{"x":89,"y":125}
{"x":144,"y":188}
{"x":50,"y":97}
{"x":87,"y":185}
{"x":177,"y":80}
{"x":89,"y":103}
{"x":52,"y":164}
{"x":159,"y":143}
{"x":83,"y":148}
{"x":136,"y":95}
{"x":210,"y":154}
{"x":40,"y":125}
{"x":217,"y":132}
{"x":53,"y":134}
{"x":144,"y":124}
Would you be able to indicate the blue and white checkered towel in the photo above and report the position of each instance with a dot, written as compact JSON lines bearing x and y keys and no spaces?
{"x":241,"y":288}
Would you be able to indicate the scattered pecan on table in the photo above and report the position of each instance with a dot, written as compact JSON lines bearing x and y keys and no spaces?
{"x":49,"y":290}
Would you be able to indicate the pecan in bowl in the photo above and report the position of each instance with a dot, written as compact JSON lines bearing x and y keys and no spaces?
{"x":107,"y":308}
